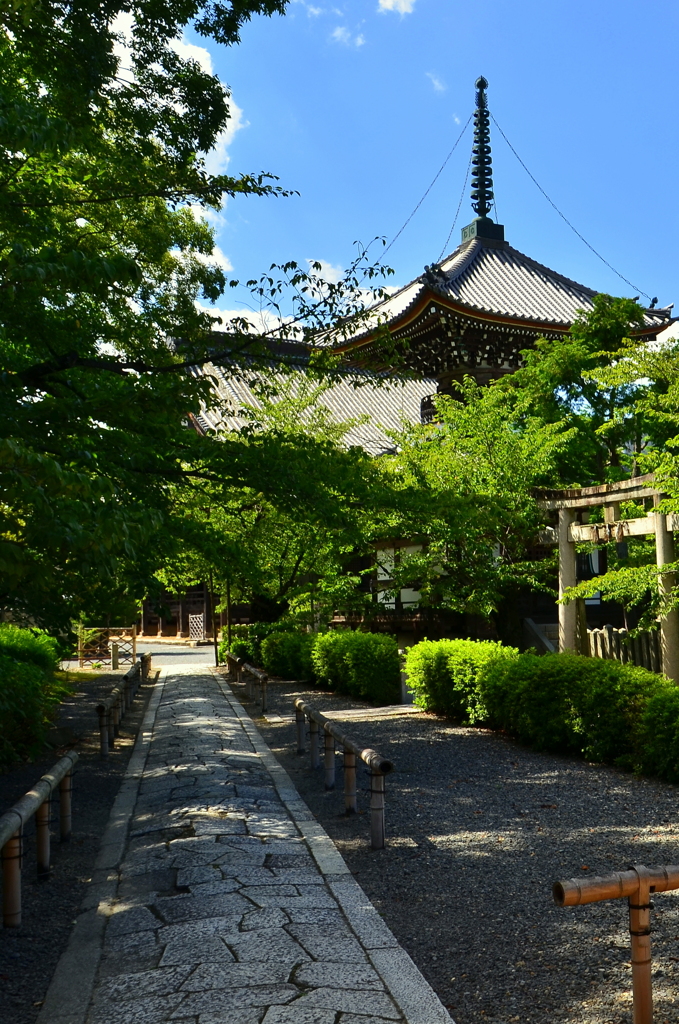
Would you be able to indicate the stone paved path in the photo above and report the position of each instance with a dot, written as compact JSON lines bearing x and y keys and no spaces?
{"x":230,"y":904}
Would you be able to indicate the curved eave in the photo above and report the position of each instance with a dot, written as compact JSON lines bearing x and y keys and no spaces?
{"x":401,"y":321}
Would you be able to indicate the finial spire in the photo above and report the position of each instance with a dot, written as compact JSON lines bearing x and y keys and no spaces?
{"x":482,"y":175}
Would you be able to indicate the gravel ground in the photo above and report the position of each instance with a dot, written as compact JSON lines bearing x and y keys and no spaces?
{"x":29,"y":955}
{"x":478,"y":830}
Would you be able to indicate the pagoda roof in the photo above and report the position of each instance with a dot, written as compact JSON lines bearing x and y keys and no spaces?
{"x":490,"y":280}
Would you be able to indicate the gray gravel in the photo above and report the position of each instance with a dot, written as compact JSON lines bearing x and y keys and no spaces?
{"x":478,"y":830}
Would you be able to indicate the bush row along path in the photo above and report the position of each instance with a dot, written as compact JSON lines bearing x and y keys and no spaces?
{"x":478,"y":829}
{"x":217,"y":897}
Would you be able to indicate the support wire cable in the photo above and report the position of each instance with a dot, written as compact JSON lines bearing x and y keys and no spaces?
{"x":457,"y":212}
{"x":566,"y":220}
{"x":434,"y":180}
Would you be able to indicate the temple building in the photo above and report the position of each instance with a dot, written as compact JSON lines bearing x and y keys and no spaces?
{"x":470,"y":314}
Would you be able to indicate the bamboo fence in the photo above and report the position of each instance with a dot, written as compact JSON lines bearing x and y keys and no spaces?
{"x":112,"y":710}
{"x":36,"y":802}
{"x":637,"y":884}
{"x":379,"y":766}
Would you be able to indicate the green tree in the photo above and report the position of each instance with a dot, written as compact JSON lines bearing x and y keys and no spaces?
{"x":102,"y":261}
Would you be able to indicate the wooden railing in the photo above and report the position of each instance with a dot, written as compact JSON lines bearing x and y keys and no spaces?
{"x":112,"y":710}
{"x":379,"y":766}
{"x":616,"y":644}
{"x":35,"y":802}
{"x":637,"y":884}
{"x":256,"y":679}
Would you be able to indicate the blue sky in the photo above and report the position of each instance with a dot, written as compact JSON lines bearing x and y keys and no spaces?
{"x":357,"y":104}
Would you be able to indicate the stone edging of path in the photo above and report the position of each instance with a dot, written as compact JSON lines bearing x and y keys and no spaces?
{"x":70,"y":991}
{"x":401,"y":976}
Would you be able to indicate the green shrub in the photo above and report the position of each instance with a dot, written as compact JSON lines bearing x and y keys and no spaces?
{"x":658,"y":735}
{"x":28,"y":694}
{"x":564,"y":702}
{"x":246,"y":640}
{"x":444,"y":675}
{"x":364,"y":665}
{"x":31,"y":645}
{"x":288,"y":655}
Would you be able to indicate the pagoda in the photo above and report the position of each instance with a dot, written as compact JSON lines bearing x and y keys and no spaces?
{"x":473,"y":313}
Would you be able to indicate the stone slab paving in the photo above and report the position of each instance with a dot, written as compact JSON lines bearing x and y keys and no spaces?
{"x":227,"y":903}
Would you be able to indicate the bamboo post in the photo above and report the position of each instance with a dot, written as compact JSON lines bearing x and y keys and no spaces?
{"x":669,"y":624}
{"x":103,"y":731}
{"x":640,"y":933}
{"x":313,"y":732}
{"x":115,"y":717}
{"x":329,"y":757}
{"x":568,"y":613}
{"x":350,"y":806}
{"x":11,"y":881}
{"x":265,"y":680}
{"x":115,"y":657}
{"x":301,"y":730}
{"x":42,"y":838}
{"x":111,"y":728}
{"x":65,"y":792}
{"x":376,"y":810}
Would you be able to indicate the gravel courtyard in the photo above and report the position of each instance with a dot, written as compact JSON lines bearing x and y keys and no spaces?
{"x":478,"y":830}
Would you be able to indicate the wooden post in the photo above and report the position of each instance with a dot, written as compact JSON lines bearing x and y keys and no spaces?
{"x":65,"y":791}
{"x":377,"y":810}
{"x":11,"y":881}
{"x":329,"y":757}
{"x":568,"y":639}
{"x":111,"y":728}
{"x":640,"y":932}
{"x":103,"y":731}
{"x":313,"y":732}
{"x":115,"y":657}
{"x":583,"y":635}
{"x":669,"y":624}
{"x":264,"y":681}
{"x":42,"y":838}
{"x":350,"y":806}
{"x":301,"y":730}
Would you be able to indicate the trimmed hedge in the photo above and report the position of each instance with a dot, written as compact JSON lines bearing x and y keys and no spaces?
{"x":444,"y":675}
{"x":288,"y":655}
{"x":364,"y":665}
{"x":246,"y":641}
{"x":564,"y":702}
{"x":606,"y":711}
{"x":28,"y":690}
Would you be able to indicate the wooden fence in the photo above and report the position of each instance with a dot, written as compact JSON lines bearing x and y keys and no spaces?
{"x":617,"y":645}
{"x":96,"y":643}
{"x":36,"y":802}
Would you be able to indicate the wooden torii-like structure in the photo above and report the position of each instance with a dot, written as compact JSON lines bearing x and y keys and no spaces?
{"x":569,"y":532}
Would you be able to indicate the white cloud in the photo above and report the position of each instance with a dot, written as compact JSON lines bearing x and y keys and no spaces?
{"x":218,"y":256}
{"x":456,"y":119}
{"x":343,"y":35}
{"x":329,"y":272}
{"x":261,"y":321}
{"x":217,"y":160}
{"x":439,"y":86}
{"x":188,"y":51}
{"x":401,"y":6}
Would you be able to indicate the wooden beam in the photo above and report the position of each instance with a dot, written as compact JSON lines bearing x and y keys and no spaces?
{"x":601,"y":494}
{"x":602,"y":533}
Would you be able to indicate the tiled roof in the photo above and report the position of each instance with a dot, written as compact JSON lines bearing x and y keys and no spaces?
{"x":383,"y":408}
{"x":498,"y":279}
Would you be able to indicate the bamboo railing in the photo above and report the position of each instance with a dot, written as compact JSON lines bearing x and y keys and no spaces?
{"x":111,"y":711}
{"x":256,"y":679}
{"x":35,"y":802}
{"x":379,"y":766}
{"x":637,"y":884}
{"x":615,"y":644}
